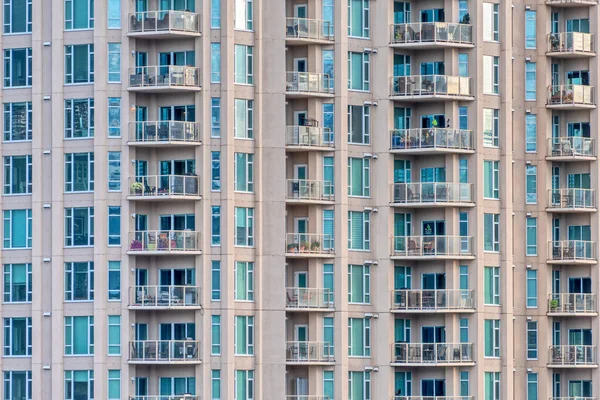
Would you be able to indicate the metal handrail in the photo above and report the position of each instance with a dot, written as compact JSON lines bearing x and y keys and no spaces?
{"x":164,"y":21}
{"x":160,"y":76}
{"x":164,"y":296}
{"x":428,"y":32}
{"x":434,"y":192}
{"x":164,"y":241}
{"x":431,"y":138}
{"x":164,"y":131}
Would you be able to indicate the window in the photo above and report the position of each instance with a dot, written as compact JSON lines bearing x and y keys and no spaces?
{"x":17,"y":337}
{"x":18,"y":119}
{"x":243,"y":284}
{"x":463,"y":117}
{"x":491,"y":21}
{"x":244,"y":227}
{"x":17,"y":67}
{"x":243,"y":64}
{"x":243,"y":384}
{"x":243,"y":123}
{"x":215,"y":335}
{"x":492,"y":338}
{"x":114,"y":226}
{"x":79,"y":118}
{"x":491,"y":74}
{"x":328,"y":385}
{"x":359,"y":284}
{"x":79,"y":14}
{"x":491,"y":232}
{"x":79,"y":281}
{"x":17,"y":283}
{"x":463,"y":277}
{"x":359,"y":337}
{"x":530,"y":133}
{"x":215,"y":120}
{"x":215,"y":16}
{"x":114,"y":384}
{"x":359,"y":124}
{"x":215,"y":171}
{"x":531,"y":290}
{"x":359,"y":176}
{"x":17,"y":385}
{"x":530,"y":29}
{"x":464,"y":383}
{"x":215,"y":238}
{"x":243,"y":342}
{"x":17,"y":17}
{"x":359,"y":385}
{"x":359,"y":230}
{"x":114,"y":61}
{"x":531,"y":236}
{"x":532,"y":340}
{"x":215,"y":387}
{"x":79,"y":63}
{"x":216,"y":280}
{"x":215,"y":63}
{"x":114,"y":335}
{"x":531,"y":184}
{"x":491,"y":385}
{"x":17,"y":174}
{"x":491,"y":179}
{"x":463,"y":64}
{"x":242,"y":16}
{"x":17,"y":229}
{"x":114,"y":117}
{"x":491,"y":127}
{"x":79,"y":384}
{"x":358,"y":18}
{"x":328,"y":122}
{"x":244,"y":172}
{"x":358,"y":71}
{"x":79,"y":335}
{"x":463,"y":324}
{"x":114,"y":280}
{"x":79,"y":226}
{"x":491,"y":286}
{"x":79,"y":172}
{"x":114,"y":171}
{"x":530,"y":81}
{"x":329,"y":335}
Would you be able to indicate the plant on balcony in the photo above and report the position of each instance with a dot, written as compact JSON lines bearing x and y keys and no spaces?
{"x":553,"y":304}
{"x":466,"y":19}
{"x":315,"y":245}
{"x":137,"y":187}
{"x":136,"y":245}
{"x":292,"y":247}
{"x":303,"y":246}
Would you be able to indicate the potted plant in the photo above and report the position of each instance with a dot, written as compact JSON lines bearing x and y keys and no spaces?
{"x":292,"y":247}
{"x":303,"y":247}
{"x":315,"y":245}
{"x":137,"y":187}
{"x":553,"y":304}
{"x":136,"y":245}
{"x":466,"y":19}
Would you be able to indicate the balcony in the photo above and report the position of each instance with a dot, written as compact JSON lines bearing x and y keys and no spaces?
{"x":431,"y":141}
{"x":572,"y":3}
{"x":302,"y":31}
{"x":152,"y":297}
{"x":164,"y":79}
{"x":164,"y":352}
{"x":309,"y":353}
{"x":308,"y":84}
{"x":571,"y":148}
{"x":437,"y":398}
{"x":308,"y":138}
{"x":311,"y":245}
{"x":314,"y":397}
{"x":165,"y":397}
{"x":570,"y":45}
{"x":571,"y":97}
{"x":304,"y":191}
{"x":432,"y":354}
{"x":438,"y":194}
{"x":572,"y":304}
{"x":571,"y":200}
{"x":164,"y":24}
{"x":431,"y":88}
{"x":157,"y":243}
{"x":309,"y":299}
{"x":164,"y":133}
{"x":572,"y":356}
{"x":164,"y":187}
{"x":432,"y":247}
{"x":572,"y":252}
{"x":426,"y":35}
{"x":573,"y":398}
{"x":440,"y":300}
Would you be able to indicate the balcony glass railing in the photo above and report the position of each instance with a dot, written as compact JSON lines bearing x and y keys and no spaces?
{"x":164,"y":241}
{"x":433,"y":398}
{"x":432,"y":32}
{"x":572,"y":198}
{"x":164,"y":131}
{"x":571,"y":146}
{"x":435,"y":192}
{"x":573,"y":398}
{"x":309,"y":243}
{"x":307,"y":397}
{"x":165,"y":350}
{"x":309,"y":190}
{"x":431,"y":138}
{"x":165,"y":296}
{"x":571,"y":2}
{"x":164,"y":21}
{"x":431,"y":85}
{"x":308,"y":298}
{"x":571,"y":95}
{"x":308,"y":136}
{"x":572,"y":355}
{"x":432,"y":353}
{"x":309,"y":352}
{"x":304,"y":28}
{"x":166,"y":397}
{"x":571,"y":303}
{"x":432,"y":300}
{"x":572,"y":250}
{"x":308,"y":82}
{"x":441,"y":246}
{"x":164,"y":185}
{"x":164,"y":76}
{"x":567,"y":42}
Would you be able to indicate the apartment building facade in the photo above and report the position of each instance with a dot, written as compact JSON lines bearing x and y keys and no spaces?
{"x":309,"y":200}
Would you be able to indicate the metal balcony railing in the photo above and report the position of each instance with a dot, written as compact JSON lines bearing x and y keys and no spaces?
{"x":307,"y":397}
{"x":305,"y":28}
{"x":308,"y":82}
{"x":571,"y":95}
{"x":568,"y":42}
{"x":164,"y":241}
{"x":572,"y":250}
{"x":164,"y":296}
{"x":571,"y":303}
{"x":434,"y":192}
{"x":164,"y":131}
{"x":572,"y":198}
{"x":441,"y":246}
{"x":571,"y":2}
{"x":431,"y":138}
{"x":573,"y":398}
{"x":433,"y":398}
{"x":432,"y":32}
{"x":572,"y":355}
{"x":164,"y":185}
{"x":164,"y":21}
{"x":431,"y":85}
{"x":165,"y":350}
{"x":309,"y":190}
{"x":164,"y":76}
{"x":298,"y":352}
{"x":309,"y":243}
{"x":308,"y":136}
{"x":432,"y":353}
{"x":166,"y":397}
{"x":308,"y":298}
{"x":433,"y":300}
{"x":571,"y":146}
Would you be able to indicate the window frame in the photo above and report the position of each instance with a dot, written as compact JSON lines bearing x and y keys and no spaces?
{"x":8,"y":22}
{"x":69,"y":124}
{"x":248,"y":165}
{"x":90,"y":24}
{"x":8,"y":330}
{"x":248,"y":321}
{"x":116,"y":326}
{"x":90,"y":217}
{"x":7,"y":238}
{"x":9,"y":173}
{"x":69,"y":276}
{"x":245,"y":294}
{"x":8,"y":68}
{"x":532,"y":348}
{"x":114,"y":60}
{"x":9,"y":120}
{"x":69,"y":336}
{"x":70,"y":64}
{"x":70,"y":168}
{"x":248,"y":59}
{"x":365,"y":277}
{"x":8,"y":284}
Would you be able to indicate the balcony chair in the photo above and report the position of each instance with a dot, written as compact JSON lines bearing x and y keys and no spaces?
{"x":292,"y":301}
{"x":162,"y":24}
{"x":413,"y":247}
{"x":442,"y":350}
